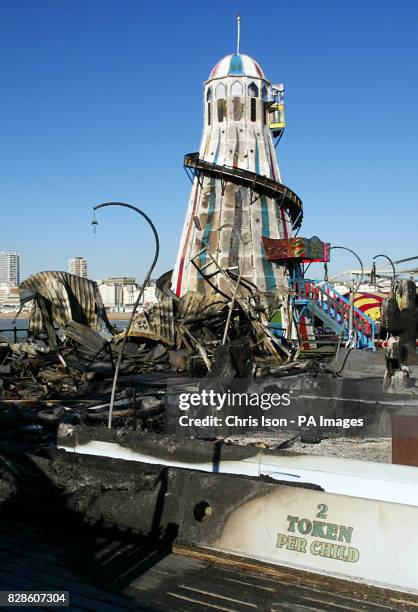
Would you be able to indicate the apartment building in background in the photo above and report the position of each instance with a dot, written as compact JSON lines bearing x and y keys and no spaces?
{"x":119,"y":293}
{"x":78,"y":266}
{"x":10,"y":268}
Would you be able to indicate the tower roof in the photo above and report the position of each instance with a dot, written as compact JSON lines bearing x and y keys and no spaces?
{"x":237,"y":64}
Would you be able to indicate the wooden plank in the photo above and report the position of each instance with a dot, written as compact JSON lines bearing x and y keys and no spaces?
{"x":22,"y":576}
{"x":281,"y":588}
{"x":11,"y":559}
{"x":52,"y":546}
{"x":377,"y":598}
{"x":193,"y":581}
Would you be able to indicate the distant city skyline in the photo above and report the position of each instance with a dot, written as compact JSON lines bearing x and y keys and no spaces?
{"x":10,"y":271}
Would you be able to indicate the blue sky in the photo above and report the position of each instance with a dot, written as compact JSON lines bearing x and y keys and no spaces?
{"x":100,"y":100}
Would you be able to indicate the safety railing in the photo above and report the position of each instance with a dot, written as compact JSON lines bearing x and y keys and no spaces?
{"x":332,"y":307}
{"x":15,"y":331}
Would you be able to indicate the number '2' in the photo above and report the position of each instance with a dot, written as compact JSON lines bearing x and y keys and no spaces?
{"x":323,"y":509}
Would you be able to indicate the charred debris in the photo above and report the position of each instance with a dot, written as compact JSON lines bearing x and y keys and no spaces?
{"x":64,"y":370}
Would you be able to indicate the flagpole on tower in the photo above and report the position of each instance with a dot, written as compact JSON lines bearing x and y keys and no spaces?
{"x":238,"y":31}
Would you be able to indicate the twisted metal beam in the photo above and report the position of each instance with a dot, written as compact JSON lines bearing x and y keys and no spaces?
{"x":146,"y":280}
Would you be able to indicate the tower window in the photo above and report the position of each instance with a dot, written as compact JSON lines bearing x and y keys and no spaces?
{"x":253,"y":109}
{"x":253,"y":90}
{"x":236,"y":89}
{"x":264,"y":93}
{"x":237,"y":108}
{"x":220,"y":91}
{"x":209,"y":104}
{"x":221,"y":110}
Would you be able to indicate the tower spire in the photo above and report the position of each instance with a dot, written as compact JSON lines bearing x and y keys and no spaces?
{"x":238,"y":31}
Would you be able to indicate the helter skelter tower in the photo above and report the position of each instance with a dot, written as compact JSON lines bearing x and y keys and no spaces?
{"x":237,"y":197}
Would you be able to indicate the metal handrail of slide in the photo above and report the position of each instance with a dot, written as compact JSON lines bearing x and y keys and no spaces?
{"x":259,"y":183}
{"x":357,"y":312}
{"x":316,"y":291}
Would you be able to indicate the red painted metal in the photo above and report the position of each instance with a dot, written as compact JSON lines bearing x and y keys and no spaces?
{"x":405,"y":439}
{"x":305,"y":250}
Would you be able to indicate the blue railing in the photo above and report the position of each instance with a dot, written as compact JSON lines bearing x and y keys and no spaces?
{"x":327,"y":300}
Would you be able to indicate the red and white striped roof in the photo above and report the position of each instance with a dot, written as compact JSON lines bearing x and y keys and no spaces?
{"x":237,"y":65}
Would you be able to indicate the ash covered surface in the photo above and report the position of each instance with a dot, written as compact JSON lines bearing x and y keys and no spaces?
{"x":367,"y":449}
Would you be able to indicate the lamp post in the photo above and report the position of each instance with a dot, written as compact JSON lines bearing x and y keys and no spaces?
{"x":393,"y":267}
{"x":146,"y":280}
{"x":354,"y":290}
